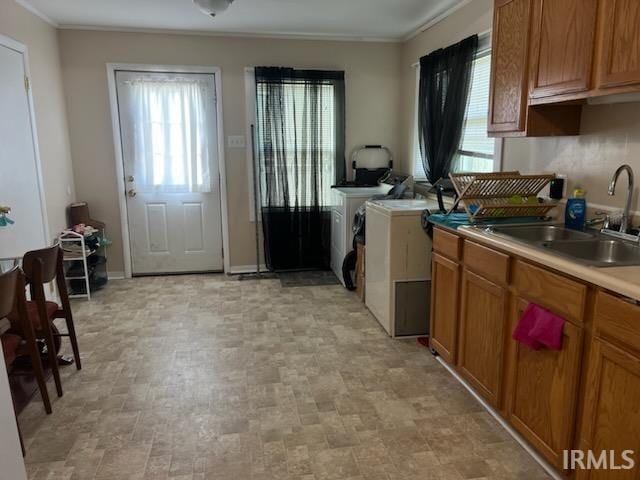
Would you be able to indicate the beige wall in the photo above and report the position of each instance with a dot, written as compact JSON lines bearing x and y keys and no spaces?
{"x":476,"y":17}
{"x":610,"y":134}
{"x":609,"y":137}
{"x":51,"y":120}
{"x":380,"y":109}
{"x":372,"y":97}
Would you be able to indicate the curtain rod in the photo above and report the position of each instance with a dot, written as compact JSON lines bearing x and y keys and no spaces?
{"x":484,"y":39}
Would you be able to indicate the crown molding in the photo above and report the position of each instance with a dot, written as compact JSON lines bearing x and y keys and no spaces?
{"x":265,"y":35}
{"x":431,"y":21}
{"x":27,"y":6}
{"x":427,"y":23}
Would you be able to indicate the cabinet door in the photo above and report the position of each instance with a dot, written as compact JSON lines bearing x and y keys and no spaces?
{"x":445,"y":289}
{"x":482,"y":335}
{"x":611,"y":414}
{"x":542,"y":399}
{"x":562,"y":39}
{"x":509,"y":58}
{"x":619,"y":62}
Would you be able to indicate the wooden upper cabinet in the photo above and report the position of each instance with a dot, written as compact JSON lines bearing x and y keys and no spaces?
{"x":562,"y":41}
{"x":510,"y":114}
{"x":618,"y":63}
{"x":509,"y":59}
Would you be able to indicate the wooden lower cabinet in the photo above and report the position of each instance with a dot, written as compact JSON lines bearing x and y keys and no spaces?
{"x":611,"y":418}
{"x":585,"y":396}
{"x":542,"y":397}
{"x":483,"y":324}
{"x":612,"y":409}
{"x":445,"y":291}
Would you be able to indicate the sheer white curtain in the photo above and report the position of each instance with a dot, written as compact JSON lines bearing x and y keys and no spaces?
{"x":173,"y":118}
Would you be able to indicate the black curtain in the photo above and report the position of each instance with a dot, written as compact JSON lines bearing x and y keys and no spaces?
{"x":300,"y":135}
{"x":445,"y":81}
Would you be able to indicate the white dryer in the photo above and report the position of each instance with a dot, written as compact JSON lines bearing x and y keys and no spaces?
{"x":398,"y":266}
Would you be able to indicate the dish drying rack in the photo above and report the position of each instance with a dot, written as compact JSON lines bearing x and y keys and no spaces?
{"x":488,"y":195}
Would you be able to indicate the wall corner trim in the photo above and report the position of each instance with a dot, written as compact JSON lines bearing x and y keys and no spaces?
{"x":27,"y":6}
{"x":431,"y":21}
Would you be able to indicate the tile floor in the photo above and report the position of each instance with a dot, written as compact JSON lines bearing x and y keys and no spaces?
{"x":206,"y":377}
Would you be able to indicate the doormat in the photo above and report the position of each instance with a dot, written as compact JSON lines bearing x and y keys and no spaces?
{"x":307,"y":279}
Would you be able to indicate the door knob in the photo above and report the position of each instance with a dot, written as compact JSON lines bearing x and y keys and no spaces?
{"x":131,"y":178}
{"x":132,"y":193}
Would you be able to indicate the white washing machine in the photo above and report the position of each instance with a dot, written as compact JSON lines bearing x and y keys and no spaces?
{"x":398,"y":266}
{"x":345,"y":203}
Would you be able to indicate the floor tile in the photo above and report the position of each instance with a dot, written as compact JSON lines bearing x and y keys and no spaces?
{"x":203,"y":377}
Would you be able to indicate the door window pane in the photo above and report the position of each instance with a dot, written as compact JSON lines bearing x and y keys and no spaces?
{"x":174,"y":123}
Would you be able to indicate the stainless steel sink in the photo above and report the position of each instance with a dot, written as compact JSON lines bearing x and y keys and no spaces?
{"x":589,"y":247}
{"x":599,"y":252}
{"x":542,"y":233}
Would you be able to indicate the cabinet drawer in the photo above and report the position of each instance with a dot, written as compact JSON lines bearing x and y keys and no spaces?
{"x":447,"y":244}
{"x":559,"y":294}
{"x":618,"y":319}
{"x":489,"y":263}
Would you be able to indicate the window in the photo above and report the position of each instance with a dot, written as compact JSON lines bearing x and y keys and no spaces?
{"x":318,"y":113}
{"x":308,"y":140}
{"x":172,"y":116}
{"x":477,"y":152}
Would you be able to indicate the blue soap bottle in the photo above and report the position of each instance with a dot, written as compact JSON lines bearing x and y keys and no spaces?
{"x":576,"y":212}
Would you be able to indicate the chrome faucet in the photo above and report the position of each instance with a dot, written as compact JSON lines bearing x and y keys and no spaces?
{"x":624,"y":225}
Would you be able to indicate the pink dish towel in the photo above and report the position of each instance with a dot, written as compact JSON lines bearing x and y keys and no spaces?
{"x":539,"y":328}
{"x":525,"y":325}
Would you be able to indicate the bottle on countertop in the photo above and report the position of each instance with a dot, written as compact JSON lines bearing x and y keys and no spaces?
{"x":576,"y":211}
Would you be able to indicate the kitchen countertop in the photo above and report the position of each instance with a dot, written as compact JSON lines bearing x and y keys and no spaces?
{"x":621,"y":280}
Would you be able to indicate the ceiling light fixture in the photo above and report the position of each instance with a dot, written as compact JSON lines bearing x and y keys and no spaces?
{"x":213,"y":7}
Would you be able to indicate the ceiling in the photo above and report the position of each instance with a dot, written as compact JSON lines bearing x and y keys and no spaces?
{"x":358,"y":19}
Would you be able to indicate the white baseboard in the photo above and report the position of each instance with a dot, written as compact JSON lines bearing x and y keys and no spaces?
{"x":516,"y":436}
{"x":242,"y":269}
{"x":234,"y":270}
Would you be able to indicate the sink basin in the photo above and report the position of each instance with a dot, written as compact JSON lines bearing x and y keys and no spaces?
{"x":542,"y":233}
{"x":588,"y":247}
{"x":599,"y":252}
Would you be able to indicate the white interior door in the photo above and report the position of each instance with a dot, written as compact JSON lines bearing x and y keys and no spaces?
{"x":20,"y":182}
{"x":20,"y":189}
{"x":168,"y":125}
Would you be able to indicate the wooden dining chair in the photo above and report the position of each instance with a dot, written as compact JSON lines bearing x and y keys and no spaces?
{"x":42,"y":267}
{"x":13,"y":304}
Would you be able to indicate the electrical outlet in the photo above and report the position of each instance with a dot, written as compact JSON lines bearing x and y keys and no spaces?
{"x":236,"y":141}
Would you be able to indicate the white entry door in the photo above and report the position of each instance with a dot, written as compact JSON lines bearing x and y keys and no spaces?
{"x":168,"y":125}
{"x":20,"y":183}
